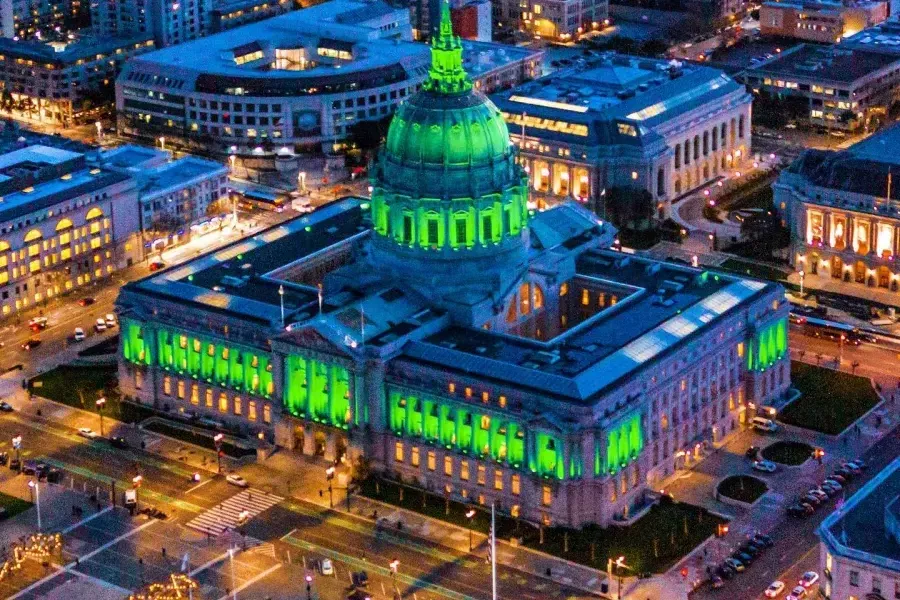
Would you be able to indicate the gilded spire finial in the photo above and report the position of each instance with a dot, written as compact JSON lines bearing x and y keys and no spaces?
{"x":447,"y":75}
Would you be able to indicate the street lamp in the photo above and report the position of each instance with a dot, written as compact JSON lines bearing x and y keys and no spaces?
{"x":471,"y":516}
{"x":308,"y":587}
{"x":618,"y":563}
{"x":37,"y":497}
{"x":329,"y":475}
{"x":281,"y":300}
{"x":395,"y":566}
{"x":17,"y":445}
{"x":802,"y":274}
{"x":231,"y":560}
{"x":136,"y":483}
{"x":162,"y":142}
{"x":218,"y":442}
{"x":101,"y":402}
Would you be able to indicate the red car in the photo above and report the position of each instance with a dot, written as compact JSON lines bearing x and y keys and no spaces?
{"x":86,"y":301}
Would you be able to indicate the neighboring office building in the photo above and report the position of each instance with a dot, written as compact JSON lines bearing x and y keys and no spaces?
{"x":883,"y":38}
{"x":563,"y":20}
{"x":60,"y":83}
{"x":228,"y":14}
{"x":844,"y":227}
{"x":63,"y":224}
{"x":25,"y":18}
{"x":472,"y":19}
{"x":495,"y":67}
{"x":859,"y":544}
{"x":176,"y":198}
{"x":843,"y":86}
{"x":303,"y":78}
{"x":825,"y":21}
{"x":622,"y":121}
{"x":168,"y":22}
{"x":459,"y":342}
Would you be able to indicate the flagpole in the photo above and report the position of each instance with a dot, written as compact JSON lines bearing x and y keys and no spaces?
{"x":493,"y":556}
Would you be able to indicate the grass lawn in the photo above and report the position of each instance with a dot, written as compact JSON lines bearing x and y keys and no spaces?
{"x":12,"y":505}
{"x":830,"y":401}
{"x":81,"y":386}
{"x":197,"y":439}
{"x":655,"y":542}
{"x":753,"y":269}
{"x":743,"y":488}
{"x":788,"y":453}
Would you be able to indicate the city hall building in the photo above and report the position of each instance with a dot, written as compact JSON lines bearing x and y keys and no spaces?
{"x":456,"y":340}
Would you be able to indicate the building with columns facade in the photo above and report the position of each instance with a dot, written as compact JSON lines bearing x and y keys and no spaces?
{"x":844,"y":213}
{"x":622,"y":121}
{"x":455,"y":340}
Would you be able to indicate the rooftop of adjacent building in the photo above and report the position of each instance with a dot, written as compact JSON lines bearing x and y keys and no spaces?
{"x":630,"y":94}
{"x":338,"y":26}
{"x":884,"y":37}
{"x":864,"y":528}
{"x":657,"y":305}
{"x":482,"y":57}
{"x":82,"y":46}
{"x":825,"y":64}
{"x":863,"y":168}
{"x":176,"y":175}
{"x":37,"y":177}
{"x":132,"y":157}
{"x":824,"y":6}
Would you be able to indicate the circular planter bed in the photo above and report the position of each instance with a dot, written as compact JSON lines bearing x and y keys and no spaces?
{"x":742,"y":488}
{"x":788,"y":453}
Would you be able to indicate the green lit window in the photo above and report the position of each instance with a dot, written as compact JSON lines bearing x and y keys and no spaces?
{"x":407,"y":228}
{"x":196,"y":345}
{"x":487,"y":229}
{"x":432,"y":232}
{"x":460,"y":230}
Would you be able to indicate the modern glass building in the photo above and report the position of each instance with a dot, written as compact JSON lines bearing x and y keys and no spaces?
{"x":453,"y":339}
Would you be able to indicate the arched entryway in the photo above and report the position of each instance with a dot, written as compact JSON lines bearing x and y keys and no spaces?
{"x":859,"y":272}
{"x":884,"y":277}
{"x":837,"y":267}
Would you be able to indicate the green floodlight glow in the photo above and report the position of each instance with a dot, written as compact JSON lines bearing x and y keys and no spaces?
{"x":307,"y":228}
{"x":364,"y":206}
{"x":446,"y":75}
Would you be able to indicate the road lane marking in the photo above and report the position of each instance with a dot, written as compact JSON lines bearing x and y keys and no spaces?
{"x":75,"y":526}
{"x":199,"y":485}
{"x":208,"y":564}
{"x":102,"y":582}
{"x":73,"y":564}
{"x":251,"y":581}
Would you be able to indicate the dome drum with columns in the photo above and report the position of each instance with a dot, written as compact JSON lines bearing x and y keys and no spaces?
{"x":446,"y":182}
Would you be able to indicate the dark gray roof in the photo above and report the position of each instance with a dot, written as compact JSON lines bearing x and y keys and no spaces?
{"x":825,"y":64}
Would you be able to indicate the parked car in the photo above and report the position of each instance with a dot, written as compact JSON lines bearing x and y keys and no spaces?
{"x":735,"y":564}
{"x":110,"y":320}
{"x":86,"y":301}
{"x":87,"y":432}
{"x":809,"y":579}
{"x":743,"y":557}
{"x":763,"y":540}
{"x":763,"y":424}
{"x":766,"y":466}
{"x":829,"y":490}
{"x":750,"y":549}
{"x":5,"y":406}
{"x":752,"y":452}
{"x":820,"y":494}
{"x":725,"y":572}
{"x":798,"y":593}
{"x":800,"y":510}
{"x":851,"y":467}
{"x":236,"y":480}
{"x":716,"y":581}
{"x":845,"y":473}
{"x":811,"y":499}
{"x":839,"y":478}
{"x":78,"y":335}
{"x":156,"y":265}
{"x":118,"y":442}
{"x":37,"y":324}
{"x":31,"y":344}
{"x":29,"y":467}
{"x":100,"y":325}
{"x":15,"y":464}
{"x":775,"y":588}
{"x":4,"y":458}
{"x":859,"y":463}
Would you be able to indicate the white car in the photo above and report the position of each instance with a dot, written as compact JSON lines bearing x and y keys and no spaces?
{"x":809,"y":579}
{"x":327,"y":567}
{"x":110,"y":320}
{"x":236,"y":480}
{"x":79,"y":336}
{"x":100,"y":325}
{"x":88,"y":433}
{"x":774,"y":589}
{"x":766,"y":466}
{"x":798,"y":593}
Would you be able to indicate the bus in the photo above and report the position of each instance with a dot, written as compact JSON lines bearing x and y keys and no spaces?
{"x":829,"y":330}
{"x":253,"y":199}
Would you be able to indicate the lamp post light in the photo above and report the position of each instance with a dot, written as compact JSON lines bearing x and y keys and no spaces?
{"x":162,"y":142}
{"x":136,"y":483}
{"x":17,"y":445}
{"x":471,"y":516}
{"x":281,"y":300}
{"x":34,"y":485}
{"x":101,"y":403}
{"x":395,"y":566}
{"x":231,"y":560}
{"x":802,"y":274}
{"x":308,"y":587}
{"x":218,"y":442}
{"x":619,"y":563}
{"x":329,"y":475}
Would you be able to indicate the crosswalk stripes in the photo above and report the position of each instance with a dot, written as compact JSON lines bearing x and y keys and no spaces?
{"x":256,"y":546}
{"x":225,"y":515}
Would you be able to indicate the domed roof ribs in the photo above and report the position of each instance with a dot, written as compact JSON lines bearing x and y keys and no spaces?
{"x":446,"y":75}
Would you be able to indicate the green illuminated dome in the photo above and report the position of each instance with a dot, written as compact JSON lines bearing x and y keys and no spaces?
{"x":446,"y":182}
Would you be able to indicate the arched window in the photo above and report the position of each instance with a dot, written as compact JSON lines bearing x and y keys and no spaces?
{"x":678,"y":156}
{"x":462,"y":233}
{"x":94,"y":213}
{"x":32,"y":235}
{"x":705,"y":143}
{"x":741,"y":127}
{"x":63,"y":224}
{"x":661,"y":182}
{"x":537,"y":295}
